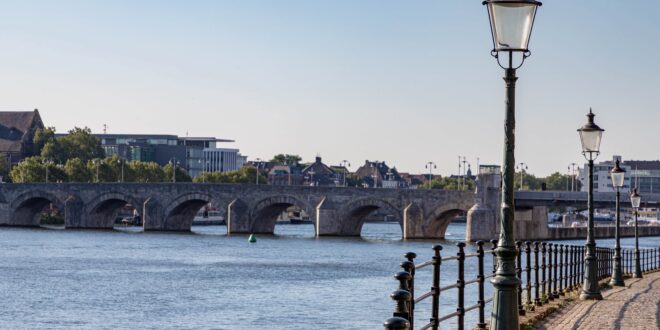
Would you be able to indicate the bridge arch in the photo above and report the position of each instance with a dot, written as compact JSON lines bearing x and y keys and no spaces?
{"x":26,"y":209}
{"x":100,"y":212}
{"x":355,"y":214}
{"x":264,"y":213}
{"x":437,"y":221}
{"x":181,"y":211}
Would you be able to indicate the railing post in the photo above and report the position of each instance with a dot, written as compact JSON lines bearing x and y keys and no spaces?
{"x":399,"y":321}
{"x":550,"y":294}
{"x":566,"y":268}
{"x":461,"y":285}
{"x":561,"y":269}
{"x":537,"y":297}
{"x":521,"y":308}
{"x":572,"y":265}
{"x":528,"y":273}
{"x":493,"y":243}
{"x":581,"y":262}
{"x":555,"y":293}
{"x":544,"y":268}
{"x":481,"y":277}
{"x":435,"y":288}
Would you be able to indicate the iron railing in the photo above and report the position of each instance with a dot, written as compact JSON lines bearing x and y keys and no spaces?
{"x":545,"y":271}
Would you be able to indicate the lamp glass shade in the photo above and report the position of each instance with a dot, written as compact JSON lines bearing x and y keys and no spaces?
{"x":635,"y":199}
{"x":511,"y":24}
{"x":617,"y":174}
{"x":590,"y":140}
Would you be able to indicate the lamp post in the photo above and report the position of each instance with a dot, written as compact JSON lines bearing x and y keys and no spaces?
{"x":522,"y":167}
{"x":590,"y":136}
{"x":47,"y":164}
{"x":345,"y":164}
{"x":511,"y":27}
{"x":617,"y":174}
{"x":635,"y":200}
{"x":121,"y":162}
{"x":572,"y":167}
{"x":175,"y":163}
{"x":97,"y":162}
{"x":431,"y":166}
{"x":256,"y":166}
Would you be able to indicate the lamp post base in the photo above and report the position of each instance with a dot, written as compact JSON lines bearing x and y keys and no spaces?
{"x":614,"y":282}
{"x":591,"y":296}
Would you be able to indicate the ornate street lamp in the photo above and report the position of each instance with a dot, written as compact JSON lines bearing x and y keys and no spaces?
{"x":511,"y":27}
{"x":617,"y":174}
{"x":590,"y":136}
{"x":635,"y":200}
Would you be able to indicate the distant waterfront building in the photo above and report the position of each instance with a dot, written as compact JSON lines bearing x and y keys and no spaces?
{"x":195,"y":154}
{"x":17,"y":130}
{"x":602,"y":180}
{"x":377,"y":174}
{"x":319,"y":174}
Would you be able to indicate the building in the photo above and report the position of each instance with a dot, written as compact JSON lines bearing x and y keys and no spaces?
{"x":195,"y":154}
{"x":602,"y":180}
{"x":377,"y":174}
{"x":17,"y":129}
{"x":319,"y":174}
{"x":285,"y":175}
{"x":645,"y":175}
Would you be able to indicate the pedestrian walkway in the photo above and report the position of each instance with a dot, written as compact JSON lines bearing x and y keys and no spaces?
{"x":635,"y":306}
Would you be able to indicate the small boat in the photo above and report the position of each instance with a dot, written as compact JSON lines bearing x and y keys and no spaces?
{"x":208,"y":218}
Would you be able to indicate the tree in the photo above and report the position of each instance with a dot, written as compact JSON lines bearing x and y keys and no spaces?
{"x":77,"y":171}
{"x":79,"y":143}
{"x":181,"y":173}
{"x":448,"y":184}
{"x":146,"y":171}
{"x":41,"y":137}
{"x":245,"y":174}
{"x":101,"y":170}
{"x":30,"y":169}
{"x":286,"y":159}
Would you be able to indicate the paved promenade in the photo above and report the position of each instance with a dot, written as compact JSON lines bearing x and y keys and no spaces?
{"x":635,"y":306}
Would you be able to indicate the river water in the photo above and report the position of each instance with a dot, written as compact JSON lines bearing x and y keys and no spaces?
{"x":125,"y":279}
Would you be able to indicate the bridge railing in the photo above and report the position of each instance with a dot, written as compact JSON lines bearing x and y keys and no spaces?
{"x":546,"y":271}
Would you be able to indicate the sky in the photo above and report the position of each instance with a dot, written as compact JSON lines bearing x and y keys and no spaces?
{"x":405,"y":82}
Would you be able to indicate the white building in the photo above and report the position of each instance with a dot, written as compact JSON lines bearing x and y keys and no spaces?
{"x":602,"y":179}
{"x":222,"y":160}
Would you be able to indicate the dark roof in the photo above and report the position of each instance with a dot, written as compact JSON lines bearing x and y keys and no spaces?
{"x":16,"y":127}
{"x":646,"y":165}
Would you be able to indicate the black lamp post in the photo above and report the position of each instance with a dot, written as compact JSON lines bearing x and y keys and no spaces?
{"x":617,"y":174}
{"x":590,"y":136}
{"x":511,"y":27}
{"x":635,"y":200}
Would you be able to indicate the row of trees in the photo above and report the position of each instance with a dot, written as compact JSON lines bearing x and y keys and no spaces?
{"x":555,"y":181}
{"x":109,"y":169}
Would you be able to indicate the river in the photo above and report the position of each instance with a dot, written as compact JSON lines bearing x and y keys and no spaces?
{"x":126,"y":279}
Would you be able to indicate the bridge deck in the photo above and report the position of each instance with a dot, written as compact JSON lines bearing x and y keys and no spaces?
{"x":635,"y":306}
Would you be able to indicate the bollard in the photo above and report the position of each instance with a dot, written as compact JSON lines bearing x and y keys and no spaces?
{"x":544,"y":292}
{"x":521,"y":308}
{"x":481,"y":277}
{"x":396,"y":323}
{"x":461,"y":285}
{"x":537,"y":297}
{"x":435,"y":288}
{"x":409,"y":267}
{"x":528,"y":271}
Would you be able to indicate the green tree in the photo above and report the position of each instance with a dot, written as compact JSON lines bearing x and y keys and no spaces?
{"x":146,"y":171}
{"x":181,"y":173}
{"x":286,"y":159}
{"x":30,"y":169}
{"x":79,"y":143}
{"x":245,"y":174}
{"x":448,"y":184}
{"x":77,"y":171}
{"x":41,"y":137}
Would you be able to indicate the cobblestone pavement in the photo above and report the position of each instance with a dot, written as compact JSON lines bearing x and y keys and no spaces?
{"x":635,"y":306}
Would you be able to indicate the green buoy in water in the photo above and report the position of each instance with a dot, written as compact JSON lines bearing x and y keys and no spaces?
{"x":252,"y":239}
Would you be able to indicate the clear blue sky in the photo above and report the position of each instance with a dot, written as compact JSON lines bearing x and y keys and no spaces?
{"x":402,"y":81}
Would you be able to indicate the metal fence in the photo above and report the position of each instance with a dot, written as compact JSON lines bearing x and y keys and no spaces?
{"x":545,"y":271}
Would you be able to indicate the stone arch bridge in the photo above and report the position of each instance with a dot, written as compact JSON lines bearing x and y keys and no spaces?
{"x":335,"y":211}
